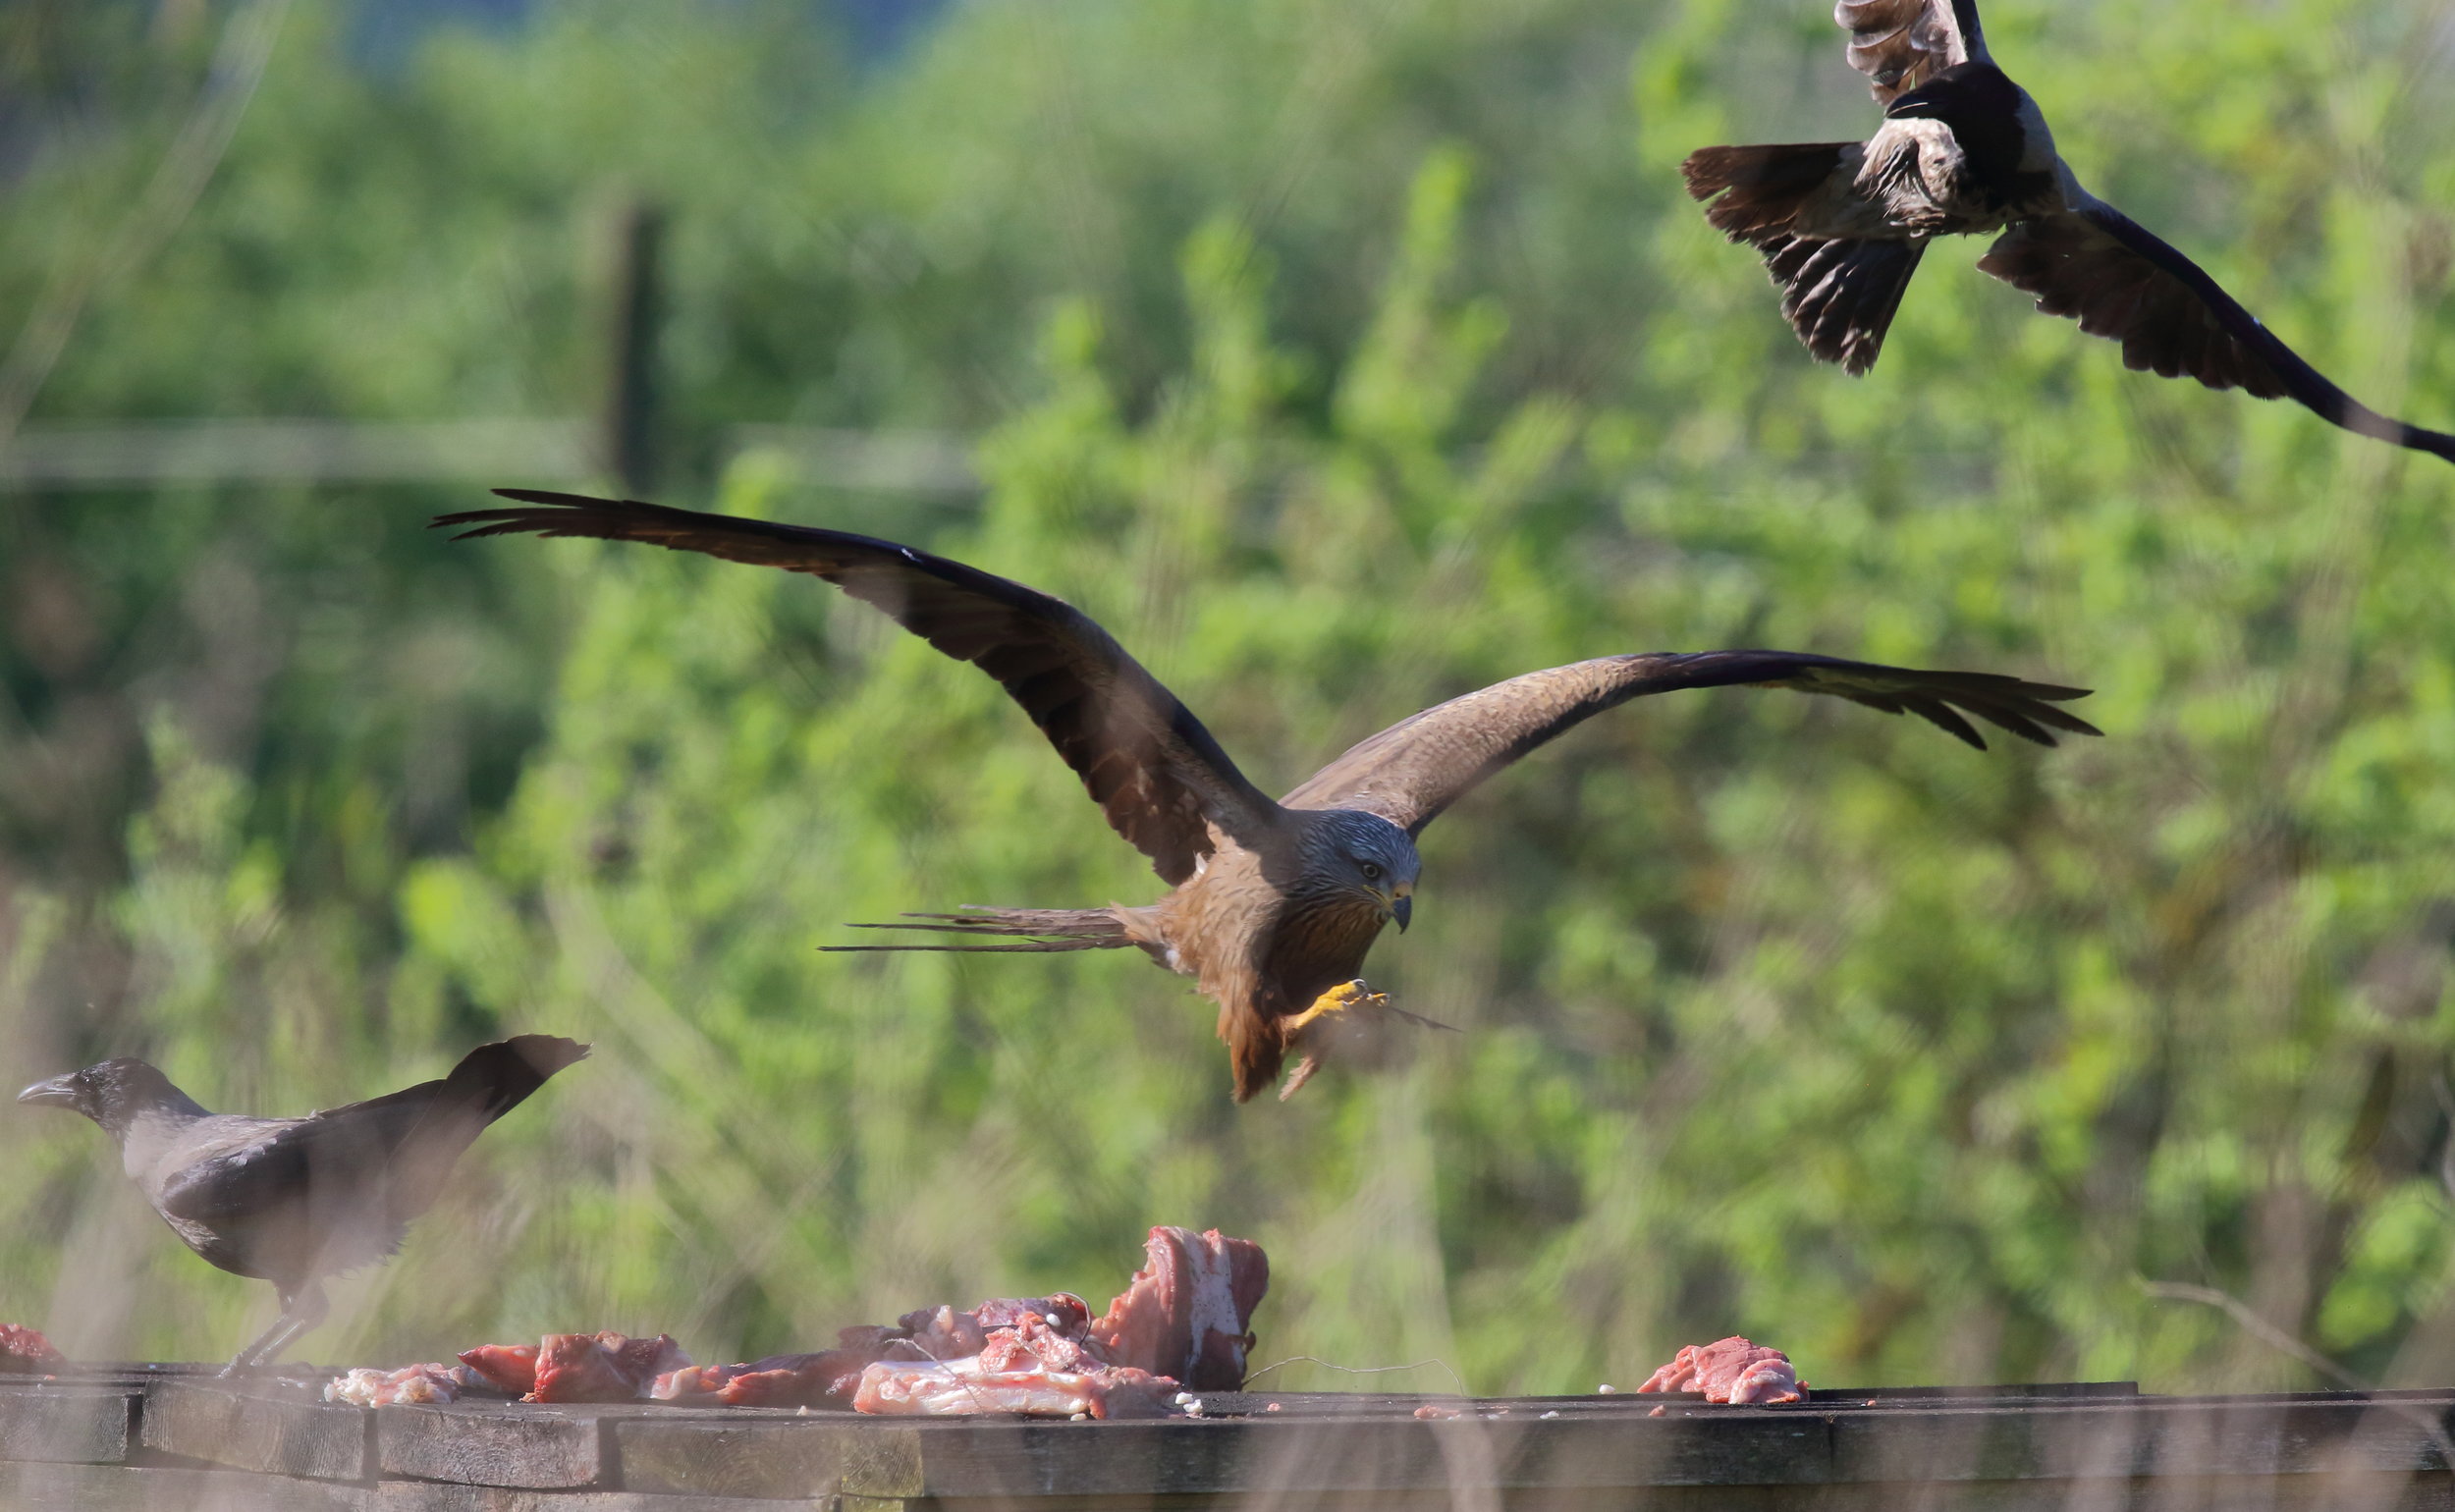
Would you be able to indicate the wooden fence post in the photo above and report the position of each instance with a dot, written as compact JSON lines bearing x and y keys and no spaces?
{"x":631,"y":424}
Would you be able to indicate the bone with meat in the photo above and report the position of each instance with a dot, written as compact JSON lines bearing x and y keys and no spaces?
{"x":1185,"y":1312}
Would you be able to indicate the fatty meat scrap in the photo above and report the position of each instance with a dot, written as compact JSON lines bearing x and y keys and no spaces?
{"x":25,"y":1350}
{"x":827,"y":1378}
{"x":433,"y":1384}
{"x":1729,"y":1371}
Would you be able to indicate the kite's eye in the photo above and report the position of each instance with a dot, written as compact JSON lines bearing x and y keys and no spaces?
{"x":1372,"y":872}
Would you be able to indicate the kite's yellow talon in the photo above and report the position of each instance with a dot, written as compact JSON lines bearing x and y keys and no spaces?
{"x":1341,"y":998}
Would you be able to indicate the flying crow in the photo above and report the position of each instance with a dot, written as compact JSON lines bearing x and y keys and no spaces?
{"x":1964,"y":151}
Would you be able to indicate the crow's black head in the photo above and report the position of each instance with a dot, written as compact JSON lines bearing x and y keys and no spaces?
{"x":113,"y":1093}
{"x":1965,"y":93}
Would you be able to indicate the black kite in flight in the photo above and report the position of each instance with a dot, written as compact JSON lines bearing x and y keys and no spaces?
{"x":1274,"y":903}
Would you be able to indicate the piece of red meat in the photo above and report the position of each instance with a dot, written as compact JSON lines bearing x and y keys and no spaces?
{"x":579,"y":1368}
{"x":511,"y":1366}
{"x":25,"y":1349}
{"x":643,"y":1360}
{"x":1186,"y":1313}
{"x":1731,"y":1370}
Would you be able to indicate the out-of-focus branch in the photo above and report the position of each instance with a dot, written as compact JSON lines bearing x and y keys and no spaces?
{"x":2258,"y":1327}
{"x":238,"y":63}
{"x":2274,"y":1337}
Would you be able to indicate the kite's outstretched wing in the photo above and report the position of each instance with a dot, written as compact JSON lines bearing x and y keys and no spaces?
{"x":1900,"y":44}
{"x":2099,"y":266}
{"x":1147,"y":761}
{"x":1410,"y":772}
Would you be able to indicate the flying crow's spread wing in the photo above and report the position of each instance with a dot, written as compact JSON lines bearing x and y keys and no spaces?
{"x":2099,"y":266}
{"x":1900,"y":44}
{"x":1410,"y":772}
{"x":1147,"y":761}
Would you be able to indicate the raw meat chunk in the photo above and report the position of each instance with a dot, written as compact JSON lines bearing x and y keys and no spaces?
{"x":1186,"y":1313}
{"x":579,"y":1368}
{"x":1731,"y":1370}
{"x":23,"y":1349}
{"x":643,"y":1360}
{"x":510,"y":1366}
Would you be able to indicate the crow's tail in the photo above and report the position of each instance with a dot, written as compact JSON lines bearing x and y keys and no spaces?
{"x":1027,"y":930}
{"x":492,"y":1079}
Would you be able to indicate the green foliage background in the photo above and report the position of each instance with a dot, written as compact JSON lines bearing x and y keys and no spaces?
{"x":1340,"y":357}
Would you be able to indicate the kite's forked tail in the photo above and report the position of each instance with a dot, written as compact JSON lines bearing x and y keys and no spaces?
{"x":1028,"y":929}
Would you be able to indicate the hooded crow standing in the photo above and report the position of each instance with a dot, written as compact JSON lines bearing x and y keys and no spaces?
{"x":293,"y":1201}
{"x":1964,"y":151}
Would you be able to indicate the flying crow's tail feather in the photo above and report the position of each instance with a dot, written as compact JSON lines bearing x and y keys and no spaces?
{"x":1840,"y":295}
{"x":492,"y":1079}
{"x":1032,"y":929}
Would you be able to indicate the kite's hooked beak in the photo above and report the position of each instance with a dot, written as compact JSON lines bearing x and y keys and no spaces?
{"x":59,"y":1090}
{"x":1402,"y":904}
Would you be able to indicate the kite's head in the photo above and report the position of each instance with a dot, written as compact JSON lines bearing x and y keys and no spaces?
{"x":1371,"y":858}
{"x":113,"y":1093}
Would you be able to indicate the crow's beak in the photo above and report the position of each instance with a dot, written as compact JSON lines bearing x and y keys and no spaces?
{"x":1917,"y":102}
{"x":1402,"y":906}
{"x":61,"y":1090}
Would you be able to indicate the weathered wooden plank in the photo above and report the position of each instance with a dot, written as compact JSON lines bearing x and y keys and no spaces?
{"x":281,"y":1432}
{"x":1006,"y":1460}
{"x":34,"y":1488}
{"x":738,"y":1452}
{"x":68,"y":1421}
{"x":481,"y":1442}
{"x":27,"y":1488}
{"x":2164,"y":1437}
{"x":2229,"y":1493}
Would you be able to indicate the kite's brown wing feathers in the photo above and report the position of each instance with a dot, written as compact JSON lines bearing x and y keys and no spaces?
{"x":2094,"y":264}
{"x":1900,"y":44}
{"x":1148,"y":762}
{"x":1410,"y":772}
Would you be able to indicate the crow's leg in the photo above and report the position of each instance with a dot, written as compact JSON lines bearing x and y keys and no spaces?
{"x":300,"y":1310}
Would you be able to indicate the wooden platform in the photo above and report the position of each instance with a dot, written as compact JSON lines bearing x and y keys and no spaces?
{"x":176,"y":1438}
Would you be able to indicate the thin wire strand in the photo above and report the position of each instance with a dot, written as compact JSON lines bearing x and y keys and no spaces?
{"x":1354,"y":1370}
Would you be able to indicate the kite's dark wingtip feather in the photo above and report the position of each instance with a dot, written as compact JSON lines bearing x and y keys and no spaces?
{"x":550,"y":496}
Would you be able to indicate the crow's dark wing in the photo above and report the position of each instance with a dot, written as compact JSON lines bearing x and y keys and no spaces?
{"x":1410,"y":772}
{"x":288,"y":1187}
{"x":1147,"y":761}
{"x":1900,"y":44}
{"x":2096,"y":265}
